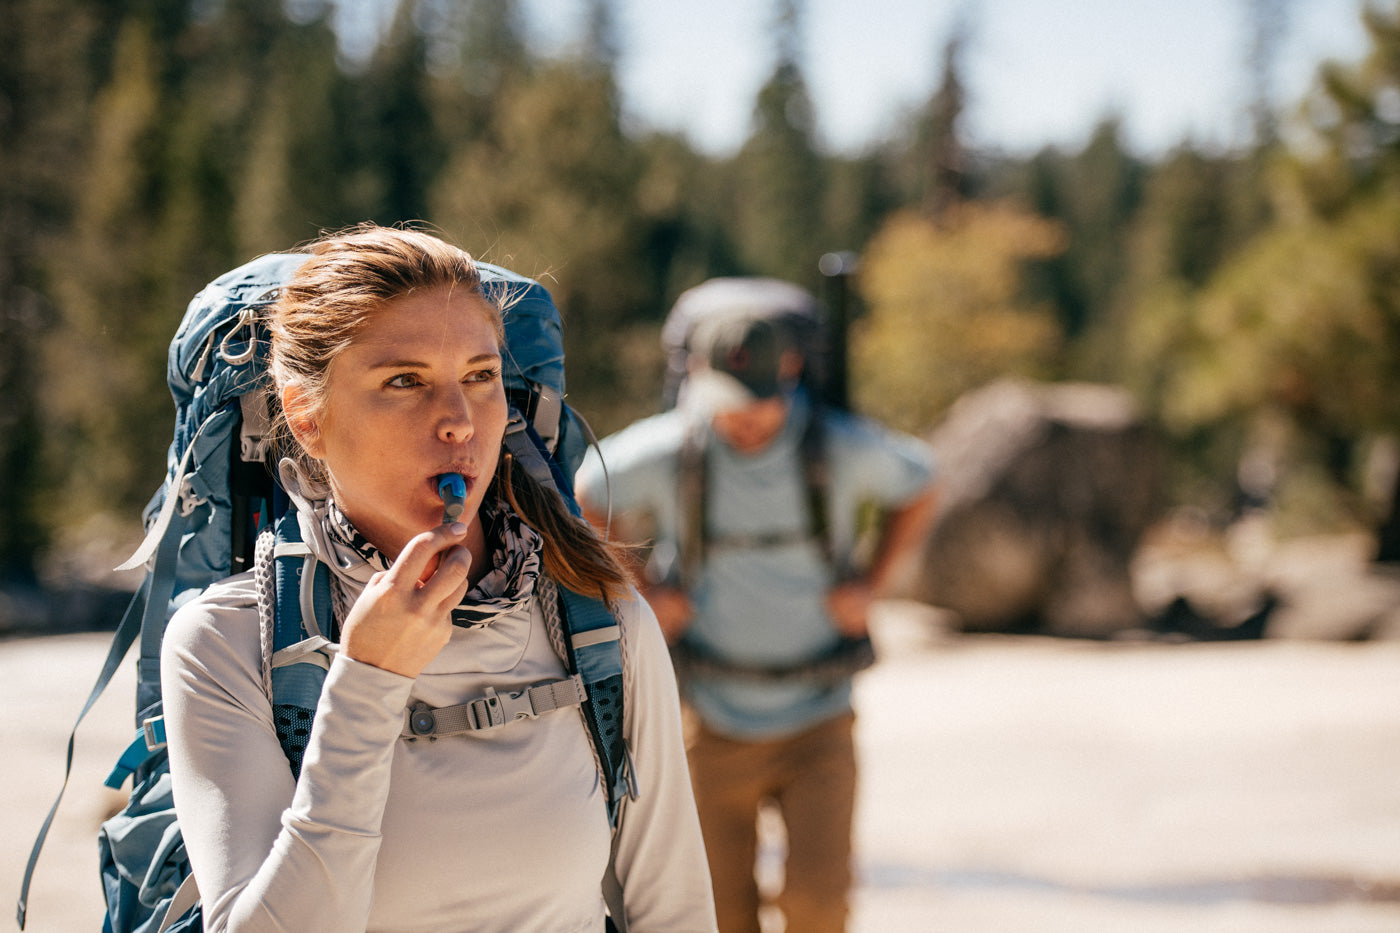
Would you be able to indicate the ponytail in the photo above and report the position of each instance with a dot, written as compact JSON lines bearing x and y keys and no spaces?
{"x":573,"y":554}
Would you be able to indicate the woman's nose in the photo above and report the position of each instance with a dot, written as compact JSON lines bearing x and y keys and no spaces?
{"x":454,"y":418}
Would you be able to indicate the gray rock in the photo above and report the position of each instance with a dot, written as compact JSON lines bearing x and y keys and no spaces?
{"x":1046,"y":492}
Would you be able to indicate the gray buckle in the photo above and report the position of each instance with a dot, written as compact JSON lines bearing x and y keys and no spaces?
{"x":497,"y":709}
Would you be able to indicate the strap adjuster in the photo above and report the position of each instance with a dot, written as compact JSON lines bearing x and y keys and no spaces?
{"x":497,"y":709}
{"x":154,"y":731}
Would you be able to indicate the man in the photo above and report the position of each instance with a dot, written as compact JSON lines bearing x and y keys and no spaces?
{"x":755,"y":495}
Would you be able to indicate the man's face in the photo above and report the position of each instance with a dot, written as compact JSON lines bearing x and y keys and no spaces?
{"x":752,"y":427}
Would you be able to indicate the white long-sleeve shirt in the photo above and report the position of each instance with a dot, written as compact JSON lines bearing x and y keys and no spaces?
{"x":504,"y":830}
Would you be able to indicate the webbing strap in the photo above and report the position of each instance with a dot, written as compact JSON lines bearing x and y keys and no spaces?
{"x":492,"y":710}
{"x":121,"y":643}
{"x":816,"y":476}
{"x":186,"y":896}
{"x":549,"y":412}
{"x":522,"y":447}
{"x":160,"y":527}
{"x":157,"y":611}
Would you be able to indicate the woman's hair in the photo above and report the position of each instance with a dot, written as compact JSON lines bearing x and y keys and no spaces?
{"x":322,"y":310}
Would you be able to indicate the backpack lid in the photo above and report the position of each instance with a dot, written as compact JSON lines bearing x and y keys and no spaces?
{"x":212,"y":324}
{"x":534,"y":350}
{"x":739,"y":296}
{"x":789,"y":306}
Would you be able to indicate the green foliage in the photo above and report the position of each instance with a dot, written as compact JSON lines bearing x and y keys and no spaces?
{"x":778,"y":175}
{"x":42,"y":122}
{"x":1297,"y":314}
{"x":148,"y":145}
{"x":1306,"y":319}
{"x":947,"y":311}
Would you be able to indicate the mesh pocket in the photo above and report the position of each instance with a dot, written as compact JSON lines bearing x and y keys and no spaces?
{"x":606,"y":699}
{"x":293,"y":731}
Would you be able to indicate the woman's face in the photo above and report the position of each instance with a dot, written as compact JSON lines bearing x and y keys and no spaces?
{"x":418,"y":394}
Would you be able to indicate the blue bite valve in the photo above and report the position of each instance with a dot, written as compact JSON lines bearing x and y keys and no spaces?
{"x":453,"y":490}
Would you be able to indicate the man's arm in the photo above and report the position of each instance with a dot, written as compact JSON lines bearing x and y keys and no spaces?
{"x":849,"y":601}
{"x":670,"y":603}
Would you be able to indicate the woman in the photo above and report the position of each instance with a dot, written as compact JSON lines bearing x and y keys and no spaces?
{"x":386,"y":356}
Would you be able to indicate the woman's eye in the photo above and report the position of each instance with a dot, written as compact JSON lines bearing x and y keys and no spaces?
{"x":403,"y":381}
{"x":483,"y":375}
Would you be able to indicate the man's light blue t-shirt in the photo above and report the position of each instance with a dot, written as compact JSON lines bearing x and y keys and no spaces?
{"x":760,"y":604}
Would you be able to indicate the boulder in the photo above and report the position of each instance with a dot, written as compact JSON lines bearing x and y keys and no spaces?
{"x":1046,"y":492}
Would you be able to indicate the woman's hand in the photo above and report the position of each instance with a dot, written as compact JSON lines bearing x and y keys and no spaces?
{"x":404,"y":617}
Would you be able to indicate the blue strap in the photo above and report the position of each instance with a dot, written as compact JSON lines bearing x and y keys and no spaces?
{"x":594,"y":636}
{"x":132,"y":758}
{"x":290,"y":627}
{"x":121,"y":643}
{"x":150,"y":739}
{"x":595,"y":648}
{"x":297,"y":687}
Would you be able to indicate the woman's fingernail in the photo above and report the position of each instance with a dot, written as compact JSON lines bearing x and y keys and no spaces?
{"x":458,"y":528}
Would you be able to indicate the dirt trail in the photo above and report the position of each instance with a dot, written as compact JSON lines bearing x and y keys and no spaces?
{"x":1007,"y":784}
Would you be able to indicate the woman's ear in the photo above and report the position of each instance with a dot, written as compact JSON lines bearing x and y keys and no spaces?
{"x":301,"y":418}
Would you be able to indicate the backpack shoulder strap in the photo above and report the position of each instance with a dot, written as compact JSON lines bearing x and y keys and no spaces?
{"x":593,"y":644}
{"x":692,"y":481}
{"x":294,"y":604}
{"x":816,"y":477}
{"x":294,"y":609}
{"x":692,"y":486}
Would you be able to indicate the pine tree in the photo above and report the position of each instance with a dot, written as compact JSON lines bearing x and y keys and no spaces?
{"x":778,"y":174}
{"x":547,"y":187}
{"x":46,"y":47}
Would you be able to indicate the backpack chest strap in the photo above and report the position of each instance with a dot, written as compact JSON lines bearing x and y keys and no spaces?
{"x":492,"y":710}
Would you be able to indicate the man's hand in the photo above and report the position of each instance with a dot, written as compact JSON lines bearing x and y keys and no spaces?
{"x":848,"y":604}
{"x":673,"y":610}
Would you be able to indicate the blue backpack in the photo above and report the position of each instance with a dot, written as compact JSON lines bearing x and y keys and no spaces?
{"x":220,"y":512}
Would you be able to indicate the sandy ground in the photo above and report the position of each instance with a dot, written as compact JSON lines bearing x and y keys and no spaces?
{"x":1008,"y":784}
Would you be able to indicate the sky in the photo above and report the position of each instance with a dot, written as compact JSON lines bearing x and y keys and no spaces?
{"x":1038,"y":71}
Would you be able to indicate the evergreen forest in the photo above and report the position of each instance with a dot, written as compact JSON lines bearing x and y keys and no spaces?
{"x":1248,"y":298}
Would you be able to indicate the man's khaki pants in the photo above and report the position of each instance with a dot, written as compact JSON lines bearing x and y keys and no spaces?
{"x":811,"y":778}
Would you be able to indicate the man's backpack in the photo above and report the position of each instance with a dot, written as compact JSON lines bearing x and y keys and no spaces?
{"x":220,"y":512}
{"x":798,"y":315}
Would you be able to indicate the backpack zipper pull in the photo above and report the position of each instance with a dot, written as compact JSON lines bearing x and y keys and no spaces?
{"x":199,"y":367}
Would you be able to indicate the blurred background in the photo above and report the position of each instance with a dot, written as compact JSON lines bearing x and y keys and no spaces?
{"x":1134,"y":267}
